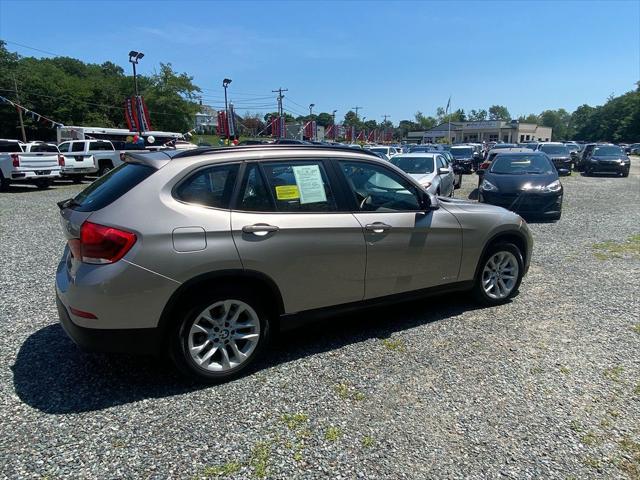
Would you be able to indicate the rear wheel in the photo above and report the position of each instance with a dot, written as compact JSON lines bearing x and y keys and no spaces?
{"x":43,"y":183}
{"x":4,"y":183}
{"x":499,"y":275}
{"x":105,"y":167}
{"x":221,"y":337}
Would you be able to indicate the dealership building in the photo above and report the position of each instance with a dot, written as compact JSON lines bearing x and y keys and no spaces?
{"x":483,"y":131}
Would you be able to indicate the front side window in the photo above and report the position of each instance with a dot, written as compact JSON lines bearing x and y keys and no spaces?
{"x":299,"y":186}
{"x":377,"y":189}
{"x":100,"y":146}
{"x":209,"y":187}
{"x":64,"y":147}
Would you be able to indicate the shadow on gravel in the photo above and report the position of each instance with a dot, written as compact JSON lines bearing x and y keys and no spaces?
{"x":52,"y":375}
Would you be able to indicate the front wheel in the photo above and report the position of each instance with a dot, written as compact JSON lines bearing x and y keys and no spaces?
{"x":78,"y":178}
{"x":43,"y":183}
{"x":499,"y":275}
{"x":219,"y":338}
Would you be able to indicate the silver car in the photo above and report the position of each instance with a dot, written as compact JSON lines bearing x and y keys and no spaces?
{"x":431,"y":170}
{"x":201,"y":254}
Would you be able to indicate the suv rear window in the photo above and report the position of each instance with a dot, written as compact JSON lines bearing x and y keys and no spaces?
{"x":10,"y":147}
{"x":44,"y":147}
{"x":108,"y":188}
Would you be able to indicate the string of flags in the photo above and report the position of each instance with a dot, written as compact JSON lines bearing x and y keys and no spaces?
{"x":36,"y":117}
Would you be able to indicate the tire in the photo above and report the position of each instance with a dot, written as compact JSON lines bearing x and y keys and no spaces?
{"x":494,"y":295}
{"x":4,"y":183}
{"x":77,"y":178}
{"x":212,"y":368}
{"x":43,"y":183}
{"x":104,"y":169}
{"x":625,"y":173}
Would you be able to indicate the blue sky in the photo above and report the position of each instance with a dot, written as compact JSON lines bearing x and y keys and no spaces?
{"x":388,"y":57}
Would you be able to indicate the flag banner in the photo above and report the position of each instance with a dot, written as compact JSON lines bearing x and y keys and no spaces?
{"x":330,"y":132}
{"x":142,"y":115}
{"x":129,"y":116}
{"x":361,"y":136}
{"x":36,"y":117}
{"x":231,"y":120}
{"x":372,"y":136}
{"x":223,"y":125}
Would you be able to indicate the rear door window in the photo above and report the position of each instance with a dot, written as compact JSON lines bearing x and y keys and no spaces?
{"x":108,"y":188}
{"x":77,"y":147}
{"x":299,"y":186}
{"x":100,"y":146}
{"x":254,"y":194}
{"x":63,"y":147}
{"x":209,"y":187}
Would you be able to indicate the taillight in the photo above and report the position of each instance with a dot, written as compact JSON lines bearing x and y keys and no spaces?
{"x":100,"y":244}
{"x":15,"y":159}
{"x":484,"y":165}
{"x":61,"y":160}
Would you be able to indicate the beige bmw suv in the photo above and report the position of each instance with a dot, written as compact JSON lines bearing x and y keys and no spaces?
{"x":201,"y":254}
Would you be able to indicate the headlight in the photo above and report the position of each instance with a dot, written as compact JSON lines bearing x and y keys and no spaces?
{"x":554,"y":186}
{"x":488,"y":186}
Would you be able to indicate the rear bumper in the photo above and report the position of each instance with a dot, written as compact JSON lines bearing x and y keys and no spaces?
{"x":137,"y":341}
{"x":31,"y":175}
{"x":599,"y":167}
{"x":78,"y":170}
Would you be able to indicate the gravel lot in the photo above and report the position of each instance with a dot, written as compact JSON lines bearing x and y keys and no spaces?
{"x":547,"y":386}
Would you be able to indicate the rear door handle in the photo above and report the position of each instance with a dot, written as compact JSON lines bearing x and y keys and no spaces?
{"x":377,"y":227}
{"x":260,"y":229}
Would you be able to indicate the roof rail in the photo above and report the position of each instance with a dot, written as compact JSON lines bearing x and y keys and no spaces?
{"x":208,"y":150}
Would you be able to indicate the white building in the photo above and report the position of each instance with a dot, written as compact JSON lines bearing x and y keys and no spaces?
{"x":483,"y":131}
{"x":206,"y":119}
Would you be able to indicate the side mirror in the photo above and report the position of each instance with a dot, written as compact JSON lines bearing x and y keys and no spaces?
{"x":430,"y":202}
{"x":444,"y":171}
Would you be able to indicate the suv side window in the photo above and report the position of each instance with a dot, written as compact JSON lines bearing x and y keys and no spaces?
{"x":100,"y":146}
{"x":77,"y":147}
{"x":299,"y":186}
{"x":63,"y":147}
{"x":210,"y":187}
{"x":378,"y":189}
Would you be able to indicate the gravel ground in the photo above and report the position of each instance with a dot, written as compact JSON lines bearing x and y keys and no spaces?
{"x":547,"y":386}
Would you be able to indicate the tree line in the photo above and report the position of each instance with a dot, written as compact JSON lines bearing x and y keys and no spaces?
{"x":77,"y":93}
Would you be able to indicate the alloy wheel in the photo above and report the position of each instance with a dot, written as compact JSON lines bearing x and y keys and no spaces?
{"x":500,"y":275}
{"x":223,"y":336}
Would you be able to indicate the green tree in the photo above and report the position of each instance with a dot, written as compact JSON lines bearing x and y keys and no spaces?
{"x":351,"y":120}
{"x":559,"y":120}
{"x":477,"y":115}
{"x":499,"y":112}
{"x":531,"y":118}
{"x":424,"y":122}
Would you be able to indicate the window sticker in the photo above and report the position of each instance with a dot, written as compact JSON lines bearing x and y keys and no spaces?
{"x":287,"y":192}
{"x":310,"y":184}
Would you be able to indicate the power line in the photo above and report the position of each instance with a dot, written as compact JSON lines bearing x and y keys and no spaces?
{"x":35,"y":49}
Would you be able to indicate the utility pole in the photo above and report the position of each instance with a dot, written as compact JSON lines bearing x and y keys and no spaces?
{"x":333,"y":114}
{"x":385,"y":118}
{"x":280,"y":97}
{"x":24,"y":135}
{"x":356,"y":109}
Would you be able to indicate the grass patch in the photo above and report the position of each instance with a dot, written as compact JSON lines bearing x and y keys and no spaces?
{"x":589,"y":439}
{"x":636,"y":391}
{"x":636,"y":328}
{"x":332,"y":434}
{"x":631,"y":464}
{"x":294,"y":420}
{"x":593,"y":463}
{"x":347,"y":393}
{"x":367,"y":441}
{"x":613,"y":373}
{"x":575,"y":426}
{"x":613,"y":249}
{"x":393,"y":345}
{"x":260,"y":457}
{"x":229,"y":468}
{"x":565,"y":370}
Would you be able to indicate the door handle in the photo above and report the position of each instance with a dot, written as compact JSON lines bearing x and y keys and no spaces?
{"x":260,"y":229}
{"x":377,"y":227}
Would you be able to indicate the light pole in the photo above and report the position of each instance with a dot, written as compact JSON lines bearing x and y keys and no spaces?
{"x":134,"y":57}
{"x":333,"y":114}
{"x":225,"y":84}
{"x":311,"y":105}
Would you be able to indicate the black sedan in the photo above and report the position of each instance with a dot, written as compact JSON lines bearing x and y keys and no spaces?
{"x":607,"y":159}
{"x":526,"y":183}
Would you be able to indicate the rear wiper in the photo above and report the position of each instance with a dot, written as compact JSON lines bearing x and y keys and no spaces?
{"x":69,"y":202}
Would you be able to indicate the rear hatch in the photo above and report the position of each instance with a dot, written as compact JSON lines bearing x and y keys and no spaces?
{"x":74,"y":212}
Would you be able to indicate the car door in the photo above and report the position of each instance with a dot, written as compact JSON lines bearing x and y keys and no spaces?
{"x":446,"y":177}
{"x":408,"y":247}
{"x":287,"y":223}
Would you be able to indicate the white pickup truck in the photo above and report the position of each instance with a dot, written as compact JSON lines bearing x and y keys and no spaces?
{"x":37,"y":163}
{"x":84,"y":157}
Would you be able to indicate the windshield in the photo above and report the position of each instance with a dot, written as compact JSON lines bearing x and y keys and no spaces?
{"x":505,"y":163}
{"x":555,"y":149}
{"x":462,"y":152}
{"x":573,"y":147}
{"x":503,"y":145}
{"x":414,"y":164}
{"x":607,"y":151}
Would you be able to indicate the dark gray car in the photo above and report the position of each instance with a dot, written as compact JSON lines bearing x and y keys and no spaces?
{"x":201,"y":254}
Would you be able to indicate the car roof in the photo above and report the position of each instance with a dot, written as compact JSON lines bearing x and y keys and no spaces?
{"x":515,"y":150}
{"x":418,"y":154}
